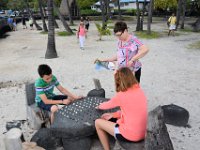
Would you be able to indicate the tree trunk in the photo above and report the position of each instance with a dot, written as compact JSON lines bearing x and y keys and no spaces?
{"x":30,"y":13}
{"x":102,"y":3}
{"x":108,"y":9}
{"x":51,"y":46}
{"x":119,"y":10}
{"x":70,"y":12}
{"x":149,"y":17}
{"x":142,"y":18}
{"x":196,"y":25}
{"x":178,"y":12}
{"x":42,"y":16}
{"x":67,"y":28}
{"x":55,"y":24}
{"x":138,"y":16}
{"x":183,"y":13}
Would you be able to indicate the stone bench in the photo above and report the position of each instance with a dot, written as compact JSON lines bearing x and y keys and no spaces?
{"x":36,"y":117}
{"x":157,"y":137}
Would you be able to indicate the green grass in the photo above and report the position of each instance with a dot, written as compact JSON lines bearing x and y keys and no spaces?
{"x":186,"y":30}
{"x":195,"y":45}
{"x":72,"y":25}
{"x":43,"y":32}
{"x":144,"y":35}
{"x":64,"y":33}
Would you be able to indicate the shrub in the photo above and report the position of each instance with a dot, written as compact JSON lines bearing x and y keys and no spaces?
{"x":89,"y":12}
{"x":64,"y":33}
{"x":102,"y":31}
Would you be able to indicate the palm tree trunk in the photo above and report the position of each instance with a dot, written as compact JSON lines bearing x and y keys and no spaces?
{"x":69,"y":12}
{"x":149,"y":17}
{"x":102,"y":3}
{"x":183,"y":13}
{"x":142,"y":18}
{"x":178,"y":12}
{"x":67,"y":28}
{"x":51,"y":46}
{"x":119,"y":10}
{"x":138,"y":16}
{"x":42,"y":16}
{"x":30,"y":13}
{"x":55,"y":24}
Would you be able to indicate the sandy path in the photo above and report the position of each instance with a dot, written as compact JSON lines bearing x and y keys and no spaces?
{"x":170,"y":73}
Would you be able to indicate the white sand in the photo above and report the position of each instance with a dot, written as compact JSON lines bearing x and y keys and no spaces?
{"x":170,"y":73}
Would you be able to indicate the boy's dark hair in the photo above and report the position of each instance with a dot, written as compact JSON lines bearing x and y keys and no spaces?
{"x":44,"y":69}
{"x":120,"y":27}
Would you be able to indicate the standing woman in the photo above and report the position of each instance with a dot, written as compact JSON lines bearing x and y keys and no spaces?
{"x":132,"y":117}
{"x":87,"y":23}
{"x":24,"y":22}
{"x":129,"y":50}
{"x":81,"y":34}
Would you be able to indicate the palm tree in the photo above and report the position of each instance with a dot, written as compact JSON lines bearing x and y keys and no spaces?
{"x":183,"y":13}
{"x":142,"y":17}
{"x":178,"y":12}
{"x":42,"y":16}
{"x":119,"y":10}
{"x":138,"y":16}
{"x":51,"y":46}
{"x":69,"y":12}
{"x":31,"y":14}
{"x":149,"y":20}
{"x":104,"y":19}
{"x":67,"y":28}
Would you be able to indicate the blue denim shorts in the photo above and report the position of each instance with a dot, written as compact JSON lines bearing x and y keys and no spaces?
{"x":48,"y":106}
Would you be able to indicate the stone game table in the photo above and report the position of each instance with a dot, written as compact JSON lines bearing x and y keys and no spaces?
{"x":75,"y":123}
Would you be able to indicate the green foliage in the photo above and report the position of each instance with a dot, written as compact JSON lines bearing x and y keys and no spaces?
{"x":85,"y":4}
{"x":102,"y":31}
{"x":64,"y":33}
{"x":15,"y":4}
{"x":43,"y":32}
{"x":131,"y":12}
{"x":164,"y":4}
{"x":186,"y":30}
{"x":89,"y":12}
{"x":3,"y":4}
{"x":143,"y":34}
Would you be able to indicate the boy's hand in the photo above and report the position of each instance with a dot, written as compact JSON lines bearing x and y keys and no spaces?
{"x":66,"y":101}
{"x":78,"y":97}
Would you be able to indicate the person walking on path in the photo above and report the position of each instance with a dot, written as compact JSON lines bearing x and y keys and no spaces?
{"x":24,"y":22}
{"x":129,"y":50}
{"x":31,"y":23}
{"x":131,"y":118}
{"x":81,"y":34}
{"x":87,"y":23}
{"x":14,"y":24}
{"x":10,"y":23}
{"x":172,"y":24}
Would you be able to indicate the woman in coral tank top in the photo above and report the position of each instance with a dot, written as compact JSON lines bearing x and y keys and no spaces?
{"x":132,"y":117}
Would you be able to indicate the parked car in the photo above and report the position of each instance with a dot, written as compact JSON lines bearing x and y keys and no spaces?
{"x":2,"y":12}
